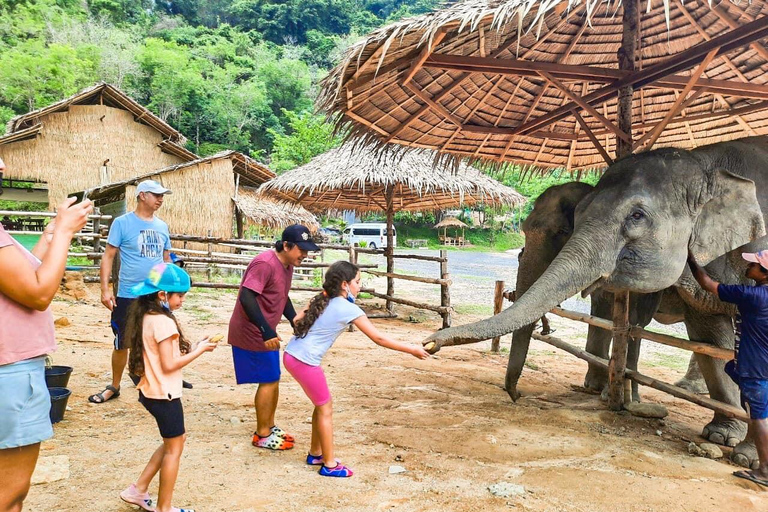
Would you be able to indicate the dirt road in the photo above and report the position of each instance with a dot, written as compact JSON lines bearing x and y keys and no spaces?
{"x":446,"y":421}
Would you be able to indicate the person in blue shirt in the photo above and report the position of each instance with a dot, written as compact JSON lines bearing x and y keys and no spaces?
{"x":751,"y":349}
{"x":142,"y":241}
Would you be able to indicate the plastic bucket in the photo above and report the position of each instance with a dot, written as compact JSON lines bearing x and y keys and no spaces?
{"x":59,"y":398}
{"x":57,"y":376}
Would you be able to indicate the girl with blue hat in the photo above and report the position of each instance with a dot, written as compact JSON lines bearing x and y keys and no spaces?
{"x":159,"y":351}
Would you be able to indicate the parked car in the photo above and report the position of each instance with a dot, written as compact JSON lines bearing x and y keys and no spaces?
{"x":374,"y":234}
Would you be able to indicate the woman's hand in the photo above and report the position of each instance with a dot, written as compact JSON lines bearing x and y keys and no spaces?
{"x":419,"y":352}
{"x":205,"y":345}
{"x":70,"y":217}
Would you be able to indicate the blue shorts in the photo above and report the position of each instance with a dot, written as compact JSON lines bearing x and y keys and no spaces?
{"x":256,"y":367}
{"x":754,"y":397}
{"x":25,"y":404}
{"x":117,"y":321}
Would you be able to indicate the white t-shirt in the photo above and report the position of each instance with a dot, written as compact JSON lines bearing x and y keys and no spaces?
{"x":332,"y":321}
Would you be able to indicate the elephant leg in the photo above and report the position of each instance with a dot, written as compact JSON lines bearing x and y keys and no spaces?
{"x":598,"y":343}
{"x":693,"y":380}
{"x":717,"y":330}
{"x":745,"y":453}
{"x":518,"y":352}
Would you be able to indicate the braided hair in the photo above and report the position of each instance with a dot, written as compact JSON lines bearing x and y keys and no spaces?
{"x":134,"y":327}
{"x":339,"y":272}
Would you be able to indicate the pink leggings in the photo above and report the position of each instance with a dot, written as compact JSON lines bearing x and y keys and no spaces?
{"x":311,"y":378}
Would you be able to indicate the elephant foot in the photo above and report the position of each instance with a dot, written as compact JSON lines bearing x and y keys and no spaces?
{"x":595,"y":381}
{"x":725,"y":431}
{"x":698,"y":386}
{"x":513,"y":393}
{"x":635,"y":394}
{"x":745,"y":455}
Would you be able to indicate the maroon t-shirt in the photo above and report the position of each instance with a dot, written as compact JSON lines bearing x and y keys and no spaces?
{"x":267,"y":277}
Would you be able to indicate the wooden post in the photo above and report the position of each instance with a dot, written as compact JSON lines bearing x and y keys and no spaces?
{"x":618,"y":366}
{"x":239,"y":222}
{"x":209,"y":270}
{"x":390,"y":249}
{"x":96,"y":231}
{"x":352,"y":255}
{"x":498,"y":299}
{"x":445,"y":288}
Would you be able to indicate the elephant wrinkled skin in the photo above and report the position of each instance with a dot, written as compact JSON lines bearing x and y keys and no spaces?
{"x":633,"y":231}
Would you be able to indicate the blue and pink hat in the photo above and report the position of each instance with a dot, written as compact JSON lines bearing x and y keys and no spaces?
{"x":164,"y":277}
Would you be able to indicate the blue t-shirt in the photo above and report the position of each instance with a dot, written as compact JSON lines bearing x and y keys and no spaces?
{"x":310,"y":349}
{"x":141,"y":244}
{"x":752,"y":302}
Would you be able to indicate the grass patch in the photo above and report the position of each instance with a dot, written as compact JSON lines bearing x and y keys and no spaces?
{"x":670,"y":361}
{"x":474,"y":309}
{"x":482,"y":240}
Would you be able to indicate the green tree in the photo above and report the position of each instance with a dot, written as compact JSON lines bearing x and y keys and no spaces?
{"x":310,"y":135}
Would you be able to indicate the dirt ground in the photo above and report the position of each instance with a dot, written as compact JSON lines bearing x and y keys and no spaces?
{"x":446,"y":420}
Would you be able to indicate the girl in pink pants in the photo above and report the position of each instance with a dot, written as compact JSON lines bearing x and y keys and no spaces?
{"x":317,"y":327}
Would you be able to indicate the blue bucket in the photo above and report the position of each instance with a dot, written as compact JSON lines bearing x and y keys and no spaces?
{"x":57,"y":376}
{"x":59,"y":398}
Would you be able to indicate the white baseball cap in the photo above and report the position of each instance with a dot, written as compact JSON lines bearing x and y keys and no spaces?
{"x":760,"y":258}
{"x":152,"y":186}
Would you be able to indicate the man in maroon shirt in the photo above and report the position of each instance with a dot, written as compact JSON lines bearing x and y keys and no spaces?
{"x":262,"y":301}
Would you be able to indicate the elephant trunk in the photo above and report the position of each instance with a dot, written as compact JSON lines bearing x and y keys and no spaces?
{"x":578,"y":265}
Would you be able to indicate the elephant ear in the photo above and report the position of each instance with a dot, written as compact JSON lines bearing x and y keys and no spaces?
{"x":728,"y":216}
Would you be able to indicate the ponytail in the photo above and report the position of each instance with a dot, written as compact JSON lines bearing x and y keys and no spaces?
{"x":338,"y":273}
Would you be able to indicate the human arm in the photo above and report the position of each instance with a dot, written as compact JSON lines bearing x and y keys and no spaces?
{"x":35,"y":288}
{"x":171,"y":363}
{"x":701,"y":277}
{"x":41,"y":247}
{"x":167,"y":256}
{"x":105,"y":271}
{"x":252,"y":310}
{"x":289,"y":312}
{"x":366,"y":326}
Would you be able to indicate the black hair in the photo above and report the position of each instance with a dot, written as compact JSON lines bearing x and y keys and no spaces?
{"x":281,"y":246}
{"x":337,"y":273}
{"x":134,"y":327}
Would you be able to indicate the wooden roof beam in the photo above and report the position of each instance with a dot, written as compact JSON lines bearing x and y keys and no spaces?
{"x":425,"y":53}
{"x":679,"y":104}
{"x":509,"y":42}
{"x":600,"y":149}
{"x":723,"y":15}
{"x":686,"y":59}
{"x":519,"y":67}
{"x":586,"y":106}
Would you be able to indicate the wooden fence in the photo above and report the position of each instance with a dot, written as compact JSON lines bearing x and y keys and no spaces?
{"x":639,"y":333}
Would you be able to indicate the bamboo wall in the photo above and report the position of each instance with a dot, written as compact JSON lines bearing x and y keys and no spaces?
{"x":201,"y":200}
{"x":72,"y":146}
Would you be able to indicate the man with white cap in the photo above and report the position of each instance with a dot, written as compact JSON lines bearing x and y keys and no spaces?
{"x":142,"y":241}
{"x":749,"y":367}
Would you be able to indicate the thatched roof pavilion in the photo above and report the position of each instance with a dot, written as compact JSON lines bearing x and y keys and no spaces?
{"x":270,"y":213}
{"x":359,"y":179}
{"x":535,"y":81}
{"x":450,"y":222}
{"x":203,"y":192}
{"x":97,"y":136}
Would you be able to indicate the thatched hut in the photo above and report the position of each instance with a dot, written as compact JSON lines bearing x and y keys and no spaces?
{"x":95,"y":137}
{"x":264,"y":211}
{"x":360,"y":179}
{"x":204,"y":192}
{"x":451,"y":222}
{"x":535,"y":82}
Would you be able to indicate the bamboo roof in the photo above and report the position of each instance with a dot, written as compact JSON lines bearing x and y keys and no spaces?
{"x":351,"y":178}
{"x":99,"y":94}
{"x":500,"y":80}
{"x":251,"y":173}
{"x":269,"y":212}
{"x":450,"y":222}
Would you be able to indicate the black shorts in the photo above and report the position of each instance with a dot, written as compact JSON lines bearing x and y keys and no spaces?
{"x":117,"y":321}
{"x":169,"y":415}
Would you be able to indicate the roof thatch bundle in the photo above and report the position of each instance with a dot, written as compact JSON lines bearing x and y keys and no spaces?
{"x":99,"y":94}
{"x":349,"y":178}
{"x":450,"y":222}
{"x":496,"y":79}
{"x":266,"y":211}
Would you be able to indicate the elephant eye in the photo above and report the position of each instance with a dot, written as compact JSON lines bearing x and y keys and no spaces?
{"x":637,"y":215}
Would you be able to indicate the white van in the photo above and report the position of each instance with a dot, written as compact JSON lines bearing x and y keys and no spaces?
{"x":374,"y":234}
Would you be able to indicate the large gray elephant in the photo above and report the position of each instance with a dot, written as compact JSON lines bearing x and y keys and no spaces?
{"x":632,"y":233}
{"x":548,"y":227}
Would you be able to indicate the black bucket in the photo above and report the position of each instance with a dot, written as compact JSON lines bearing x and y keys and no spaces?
{"x":57,"y":376}
{"x":59,"y":398}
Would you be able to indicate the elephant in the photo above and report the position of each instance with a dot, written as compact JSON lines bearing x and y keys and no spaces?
{"x":632,"y":233}
{"x":547,"y":229}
